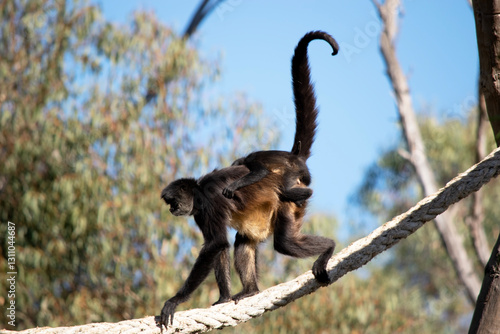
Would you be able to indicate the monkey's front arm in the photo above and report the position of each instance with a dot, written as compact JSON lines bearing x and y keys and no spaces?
{"x":205,"y":262}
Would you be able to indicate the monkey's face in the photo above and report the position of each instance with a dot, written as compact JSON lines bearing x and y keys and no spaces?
{"x":179,"y":195}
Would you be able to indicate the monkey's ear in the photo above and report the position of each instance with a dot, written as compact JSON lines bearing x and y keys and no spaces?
{"x":297,"y":149}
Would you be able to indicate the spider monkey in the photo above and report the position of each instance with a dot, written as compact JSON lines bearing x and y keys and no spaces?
{"x":272,"y":203}
{"x":291,"y":165}
{"x":256,"y":212}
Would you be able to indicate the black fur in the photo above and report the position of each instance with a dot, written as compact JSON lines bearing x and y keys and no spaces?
{"x":292,"y":165}
{"x":203,"y":199}
{"x":246,"y":265}
{"x":212,"y":213}
{"x":288,"y":240}
{"x":303,"y":91}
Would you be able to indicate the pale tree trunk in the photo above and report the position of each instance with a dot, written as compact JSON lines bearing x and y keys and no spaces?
{"x":450,"y":237}
{"x":486,"y":318}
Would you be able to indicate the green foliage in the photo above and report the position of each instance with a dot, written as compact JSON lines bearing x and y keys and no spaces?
{"x":84,"y":157}
{"x":352,"y":305}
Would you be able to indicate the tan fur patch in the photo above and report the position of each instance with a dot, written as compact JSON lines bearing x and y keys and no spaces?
{"x":278,"y":171}
{"x":256,"y":220}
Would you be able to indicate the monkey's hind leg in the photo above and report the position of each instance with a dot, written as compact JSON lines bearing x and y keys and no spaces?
{"x":288,"y":240}
{"x":245,"y":262}
{"x":223,"y":276}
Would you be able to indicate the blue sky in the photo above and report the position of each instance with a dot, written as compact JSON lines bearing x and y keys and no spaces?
{"x":436,"y":47}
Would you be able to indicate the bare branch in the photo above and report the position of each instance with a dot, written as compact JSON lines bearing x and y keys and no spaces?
{"x":404,"y":154}
{"x":452,"y":240}
{"x":205,"y":7}
{"x":487,"y":18}
{"x":476,"y":218}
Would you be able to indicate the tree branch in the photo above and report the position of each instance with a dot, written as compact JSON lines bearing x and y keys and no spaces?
{"x":199,"y":15}
{"x":486,"y":318}
{"x":476,"y":217}
{"x":487,"y":18}
{"x":204,"y":8}
{"x":451,"y":239}
{"x":350,"y":258}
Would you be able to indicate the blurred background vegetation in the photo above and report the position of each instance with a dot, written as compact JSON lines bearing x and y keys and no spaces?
{"x":85,"y":151}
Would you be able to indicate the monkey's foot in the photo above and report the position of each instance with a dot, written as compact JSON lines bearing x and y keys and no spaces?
{"x":222,"y":300}
{"x":321,"y":275}
{"x":319,"y":266}
{"x":244,"y":294}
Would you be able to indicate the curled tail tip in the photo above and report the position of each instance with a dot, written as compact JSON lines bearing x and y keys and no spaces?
{"x":335,"y":46}
{"x":318,"y":34}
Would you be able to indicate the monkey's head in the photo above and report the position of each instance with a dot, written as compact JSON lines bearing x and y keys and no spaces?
{"x":180,"y":196}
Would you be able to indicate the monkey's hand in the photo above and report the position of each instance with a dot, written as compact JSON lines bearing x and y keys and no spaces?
{"x":228,"y":192}
{"x":167,"y":314}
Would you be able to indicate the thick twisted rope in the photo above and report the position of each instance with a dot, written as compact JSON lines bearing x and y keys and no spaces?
{"x":350,"y":258}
